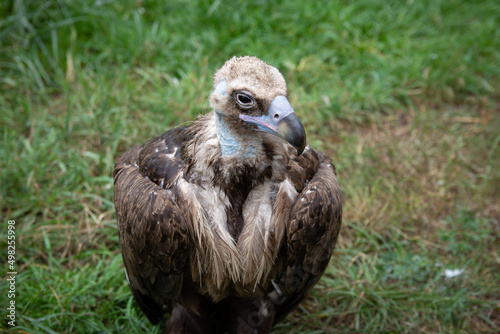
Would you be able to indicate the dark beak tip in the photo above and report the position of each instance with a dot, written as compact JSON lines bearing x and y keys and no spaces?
{"x":293,"y":132}
{"x":301,"y":144}
{"x":301,"y":148}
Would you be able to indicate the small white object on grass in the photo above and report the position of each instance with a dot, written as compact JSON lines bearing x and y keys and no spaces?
{"x":449,"y":273}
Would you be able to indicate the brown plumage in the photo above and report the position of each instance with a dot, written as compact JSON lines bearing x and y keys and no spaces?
{"x":226,"y":224}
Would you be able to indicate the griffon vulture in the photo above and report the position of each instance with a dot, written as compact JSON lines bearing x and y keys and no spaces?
{"x":227,"y":223}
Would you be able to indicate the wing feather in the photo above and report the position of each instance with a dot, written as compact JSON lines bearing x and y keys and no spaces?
{"x":312,"y":231}
{"x":152,"y":227}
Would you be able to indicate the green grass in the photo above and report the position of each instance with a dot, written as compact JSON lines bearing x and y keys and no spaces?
{"x":402,"y":95}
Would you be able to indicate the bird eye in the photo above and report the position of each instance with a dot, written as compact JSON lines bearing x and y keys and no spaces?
{"x":244,"y":99}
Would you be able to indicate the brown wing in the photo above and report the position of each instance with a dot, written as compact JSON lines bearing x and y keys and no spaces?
{"x":312,"y":231}
{"x":152,"y":229}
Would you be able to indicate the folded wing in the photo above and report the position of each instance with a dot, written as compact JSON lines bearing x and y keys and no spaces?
{"x":311,"y":232}
{"x":152,"y":227}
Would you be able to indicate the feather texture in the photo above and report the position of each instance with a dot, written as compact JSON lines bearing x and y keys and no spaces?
{"x":215,"y":238}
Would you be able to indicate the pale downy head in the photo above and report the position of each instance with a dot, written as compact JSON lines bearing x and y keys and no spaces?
{"x":250,"y":100}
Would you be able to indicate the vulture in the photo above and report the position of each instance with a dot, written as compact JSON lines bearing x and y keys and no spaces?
{"x":226,"y":224}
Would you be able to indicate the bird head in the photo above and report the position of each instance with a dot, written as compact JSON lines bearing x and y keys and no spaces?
{"x":251,"y":96}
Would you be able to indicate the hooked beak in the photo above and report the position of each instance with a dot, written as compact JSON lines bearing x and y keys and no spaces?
{"x":281,"y":121}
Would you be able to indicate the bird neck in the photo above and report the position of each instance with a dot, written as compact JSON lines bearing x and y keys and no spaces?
{"x":216,"y":155}
{"x":229,"y":144}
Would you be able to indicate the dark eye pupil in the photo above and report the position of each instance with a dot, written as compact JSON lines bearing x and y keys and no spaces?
{"x":243,"y":99}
